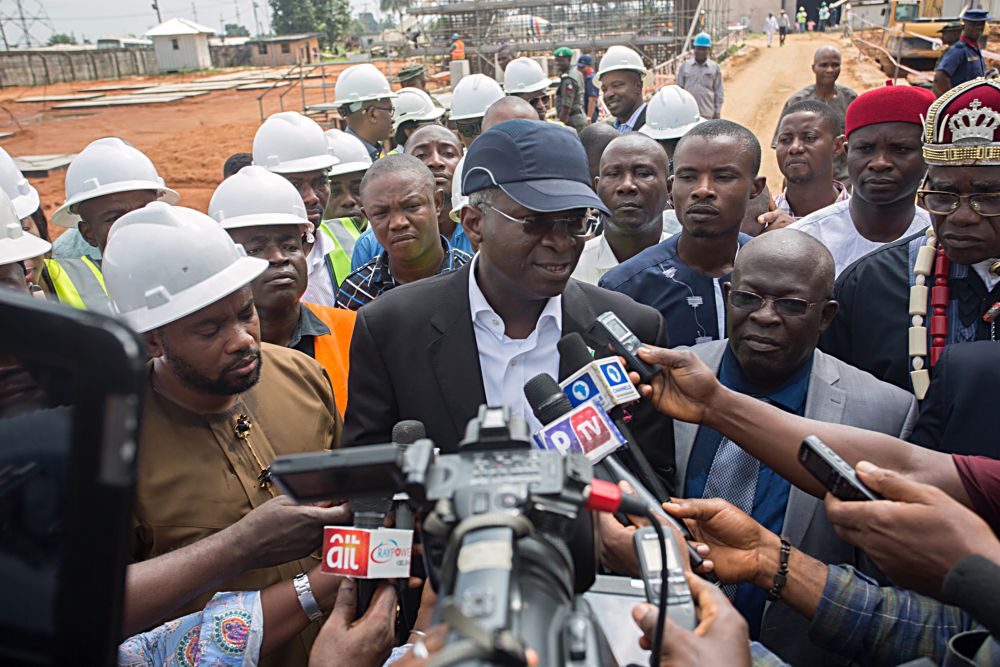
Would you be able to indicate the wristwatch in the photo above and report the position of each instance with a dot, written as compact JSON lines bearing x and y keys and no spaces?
{"x":306,"y":597}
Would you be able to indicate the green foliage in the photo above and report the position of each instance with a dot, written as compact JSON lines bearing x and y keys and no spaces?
{"x":330,"y":18}
{"x":236,"y":30}
{"x":61,"y":38}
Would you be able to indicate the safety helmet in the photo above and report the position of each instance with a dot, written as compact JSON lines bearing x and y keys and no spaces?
{"x":703,"y":39}
{"x":290,"y":143}
{"x":17,"y":245}
{"x":16,"y":186}
{"x":108,"y":166}
{"x":165,"y":262}
{"x":454,"y":35}
{"x":620,"y":58}
{"x":524,"y":75}
{"x":671,"y":113}
{"x":473,"y":95}
{"x":255,"y":197}
{"x":349,"y":150}
{"x":414,"y":104}
{"x":361,"y":83}
{"x":458,"y":200}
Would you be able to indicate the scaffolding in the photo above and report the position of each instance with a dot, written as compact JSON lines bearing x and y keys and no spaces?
{"x":658,"y":29}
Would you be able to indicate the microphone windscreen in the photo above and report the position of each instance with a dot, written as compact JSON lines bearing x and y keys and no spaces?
{"x":408,"y":431}
{"x":573,"y":353}
{"x":546,"y":399}
{"x":974,"y":585}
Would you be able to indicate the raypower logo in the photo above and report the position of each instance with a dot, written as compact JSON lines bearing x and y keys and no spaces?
{"x":389,"y":550}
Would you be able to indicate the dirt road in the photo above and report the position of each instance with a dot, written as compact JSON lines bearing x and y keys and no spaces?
{"x":758,"y":83}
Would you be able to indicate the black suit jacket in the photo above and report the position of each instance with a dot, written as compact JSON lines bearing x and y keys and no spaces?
{"x":958,"y":416}
{"x":639,"y":122}
{"x":414,"y":356}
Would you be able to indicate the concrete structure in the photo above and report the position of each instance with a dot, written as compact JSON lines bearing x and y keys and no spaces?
{"x":284,"y":50}
{"x":180,"y":44}
{"x":44,"y":67}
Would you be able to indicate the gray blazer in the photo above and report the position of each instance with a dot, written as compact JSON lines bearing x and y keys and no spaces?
{"x":840,"y":394}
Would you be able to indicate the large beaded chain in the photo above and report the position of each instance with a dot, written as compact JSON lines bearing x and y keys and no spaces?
{"x":929,"y":257}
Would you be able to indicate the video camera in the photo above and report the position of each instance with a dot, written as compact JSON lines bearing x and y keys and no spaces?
{"x":496,"y":521}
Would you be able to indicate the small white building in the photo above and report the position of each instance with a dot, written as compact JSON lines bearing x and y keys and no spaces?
{"x":180,"y":44}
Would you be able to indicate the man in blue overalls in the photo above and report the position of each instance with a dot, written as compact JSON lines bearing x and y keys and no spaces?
{"x":963,"y":61}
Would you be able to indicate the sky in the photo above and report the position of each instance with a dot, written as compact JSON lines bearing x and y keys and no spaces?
{"x":93,"y":18}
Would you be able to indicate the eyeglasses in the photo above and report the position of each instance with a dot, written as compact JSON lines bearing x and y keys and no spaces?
{"x":470,"y":129}
{"x":539,"y":102}
{"x":388,"y":110}
{"x":986,"y":204}
{"x":581,"y":225}
{"x":786,"y":307}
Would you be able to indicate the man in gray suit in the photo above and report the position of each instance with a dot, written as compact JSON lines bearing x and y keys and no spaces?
{"x":778,"y":304}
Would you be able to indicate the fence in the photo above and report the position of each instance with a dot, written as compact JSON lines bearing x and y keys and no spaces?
{"x":39,"y":68}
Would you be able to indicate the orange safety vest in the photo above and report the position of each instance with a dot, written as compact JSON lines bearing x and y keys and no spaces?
{"x":458,"y":50}
{"x":333,"y":351}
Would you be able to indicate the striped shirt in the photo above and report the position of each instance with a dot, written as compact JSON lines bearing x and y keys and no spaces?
{"x":374,"y":277}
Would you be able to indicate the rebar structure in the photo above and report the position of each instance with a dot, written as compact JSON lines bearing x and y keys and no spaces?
{"x":657,"y":29}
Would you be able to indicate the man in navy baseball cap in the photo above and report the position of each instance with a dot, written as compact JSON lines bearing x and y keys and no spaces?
{"x":448,"y":344}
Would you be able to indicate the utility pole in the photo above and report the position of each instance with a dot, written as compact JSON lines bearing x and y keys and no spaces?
{"x":194,"y":10}
{"x":3,"y":33}
{"x":156,"y":8}
{"x":255,"y":21}
{"x":222,"y":27}
{"x":24,"y":24}
{"x":236,"y":4}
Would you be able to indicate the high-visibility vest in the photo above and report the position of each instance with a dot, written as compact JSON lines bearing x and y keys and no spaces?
{"x":333,"y":351}
{"x":79,"y":283}
{"x":458,"y":50}
{"x":338,"y":260}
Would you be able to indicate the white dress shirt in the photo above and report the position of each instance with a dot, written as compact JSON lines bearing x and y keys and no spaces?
{"x":598,"y":258}
{"x":320,"y":289}
{"x":833,"y":227}
{"x":508,"y":363}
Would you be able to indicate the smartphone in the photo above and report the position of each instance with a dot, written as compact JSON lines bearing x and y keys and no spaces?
{"x":832,"y":471}
{"x":680,"y":604}
{"x":608,"y":329}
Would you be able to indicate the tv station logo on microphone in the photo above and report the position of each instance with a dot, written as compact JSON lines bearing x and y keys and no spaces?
{"x":585,"y":430}
{"x":362,"y":553}
{"x":603,"y":380}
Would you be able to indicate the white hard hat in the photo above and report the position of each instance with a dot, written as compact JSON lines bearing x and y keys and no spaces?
{"x":349,"y":150}
{"x":16,"y":186}
{"x":105,"y":167}
{"x":255,"y":197}
{"x":620,"y":58}
{"x":17,"y":245}
{"x":289,"y":143}
{"x":458,"y":200}
{"x":165,"y":262}
{"x":360,"y":83}
{"x":414,"y":104}
{"x":524,"y":75}
{"x":473,"y":95}
{"x":671,"y":113}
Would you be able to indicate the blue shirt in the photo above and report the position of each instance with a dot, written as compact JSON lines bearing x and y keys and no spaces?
{"x":590,"y":91}
{"x":771,"y":498}
{"x":629,"y":125}
{"x":367,"y":247}
{"x":962,"y":62}
{"x":691,"y":303}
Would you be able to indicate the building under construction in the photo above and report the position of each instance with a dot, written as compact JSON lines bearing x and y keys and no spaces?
{"x":656,"y":28}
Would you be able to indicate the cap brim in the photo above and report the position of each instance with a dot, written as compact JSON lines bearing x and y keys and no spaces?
{"x":23,"y":247}
{"x":265,"y":220}
{"x":553,"y":194}
{"x":349,"y":167}
{"x":541,"y":85}
{"x":305,"y":164}
{"x":63,"y":217}
{"x":675,"y":133}
{"x":27,"y":203}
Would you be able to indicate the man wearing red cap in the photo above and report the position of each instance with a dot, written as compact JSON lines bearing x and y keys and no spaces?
{"x":902,"y":304}
{"x":885,"y":167}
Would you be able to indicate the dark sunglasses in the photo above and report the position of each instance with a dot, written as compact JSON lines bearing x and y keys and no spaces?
{"x":470,"y":129}
{"x":786,"y":307}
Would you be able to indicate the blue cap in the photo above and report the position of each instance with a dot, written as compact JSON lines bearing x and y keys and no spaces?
{"x":542,"y":166}
{"x":703,"y":39}
{"x":585,"y":60}
{"x":976,"y":15}
{"x":455,"y":36}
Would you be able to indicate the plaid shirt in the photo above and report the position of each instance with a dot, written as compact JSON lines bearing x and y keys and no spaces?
{"x":374,"y":277}
{"x":876,"y":625}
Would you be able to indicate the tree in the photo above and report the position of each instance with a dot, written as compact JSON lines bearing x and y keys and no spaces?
{"x":236,"y":30}
{"x":335,"y":21}
{"x":293,"y":16}
{"x":61,"y":38}
{"x":397,"y":7}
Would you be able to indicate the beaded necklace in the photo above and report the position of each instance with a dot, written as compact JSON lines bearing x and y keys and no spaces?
{"x":932,"y":256}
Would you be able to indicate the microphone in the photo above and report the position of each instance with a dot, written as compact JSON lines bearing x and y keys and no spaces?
{"x":607,"y":381}
{"x":974,"y":585}
{"x":564,"y":435}
{"x":408,"y":431}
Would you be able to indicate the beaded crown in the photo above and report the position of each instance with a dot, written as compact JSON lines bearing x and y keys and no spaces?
{"x":963,"y":125}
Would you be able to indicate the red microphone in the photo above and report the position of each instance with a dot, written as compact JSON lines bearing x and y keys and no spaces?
{"x":608,"y":497}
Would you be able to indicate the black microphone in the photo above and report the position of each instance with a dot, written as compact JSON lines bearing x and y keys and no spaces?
{"x":574,"y":354}
{"x":408,"y":431}
{"x":974,"y":585}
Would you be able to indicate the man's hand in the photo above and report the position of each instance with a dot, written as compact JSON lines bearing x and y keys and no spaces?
{"x":774,"y":220}
{"x":281,"y":530}
{"x":915,"y":536}
{"x":617,"y":548}
{"x":366,"y":642}
{"x":738,"y":545}
{"x":684,"y":388}
{"x":721,"y":638}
